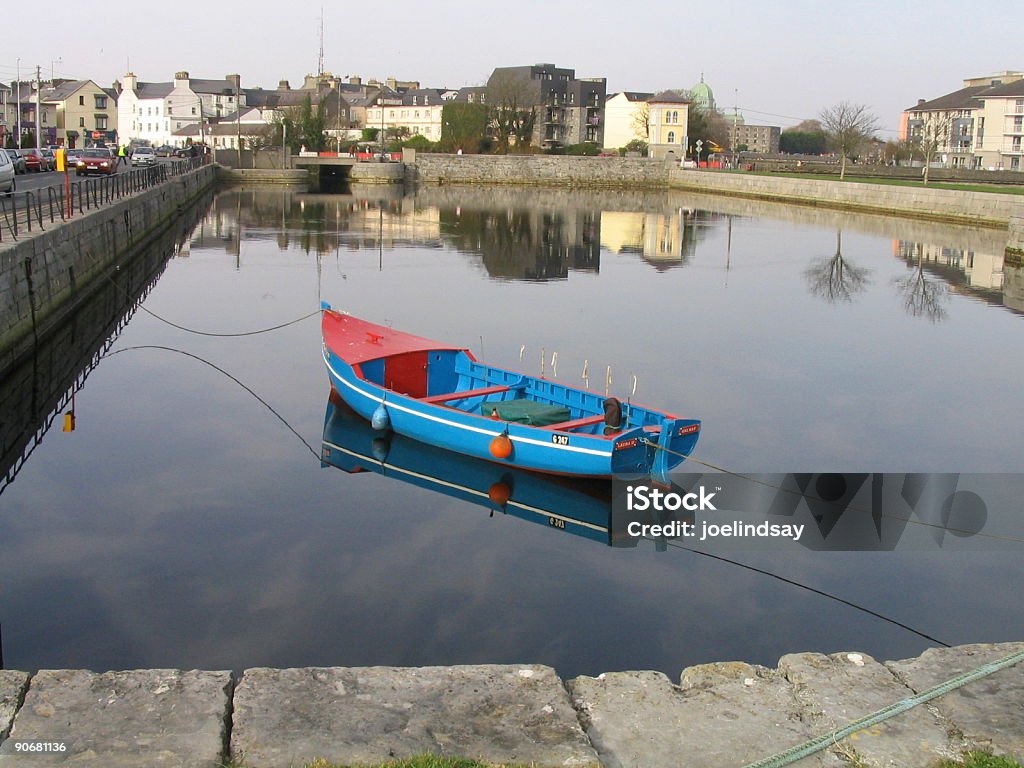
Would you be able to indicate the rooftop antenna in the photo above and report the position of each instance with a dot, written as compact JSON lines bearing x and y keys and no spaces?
{"x":320,"y":62}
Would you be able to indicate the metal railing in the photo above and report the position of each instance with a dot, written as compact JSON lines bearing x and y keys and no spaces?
{"x":34,"y":210}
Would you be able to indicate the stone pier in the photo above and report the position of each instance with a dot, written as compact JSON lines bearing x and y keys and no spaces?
{"x":716,"y":715}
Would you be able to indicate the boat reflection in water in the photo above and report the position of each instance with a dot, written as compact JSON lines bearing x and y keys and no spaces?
{"x":580,"y":507}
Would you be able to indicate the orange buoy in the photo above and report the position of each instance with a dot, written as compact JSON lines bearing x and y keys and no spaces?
{"x":501,"y":447}
{"x":499,"y":493}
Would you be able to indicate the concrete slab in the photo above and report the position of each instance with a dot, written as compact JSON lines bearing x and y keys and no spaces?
{"x":720,"y":716}
{"x":988,"y":712}
{"x":844,"y":687}
{"x":154,"y":717}
{"x":12,"y":689}
{"x":495,"y":713}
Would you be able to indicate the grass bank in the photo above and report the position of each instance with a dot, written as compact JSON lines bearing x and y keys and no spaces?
{"x":1005,"y":189}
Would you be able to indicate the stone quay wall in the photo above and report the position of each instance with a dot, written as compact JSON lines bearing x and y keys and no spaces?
{"x":1015,"y":242}
{"x":45,"y":274}
{"x":930,"y":203}
{"x":719,"y":715}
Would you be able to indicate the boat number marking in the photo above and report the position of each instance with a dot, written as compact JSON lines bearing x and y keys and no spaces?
{"x":560,"y":439}
{"x":556,"y":522}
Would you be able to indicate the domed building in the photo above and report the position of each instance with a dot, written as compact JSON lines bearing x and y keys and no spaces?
{"x":702,"y":97}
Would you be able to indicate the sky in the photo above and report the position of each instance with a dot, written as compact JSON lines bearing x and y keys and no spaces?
{"x":778,"y":63}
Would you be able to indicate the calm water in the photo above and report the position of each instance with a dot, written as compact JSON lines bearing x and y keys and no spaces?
{"x":183,"y":525}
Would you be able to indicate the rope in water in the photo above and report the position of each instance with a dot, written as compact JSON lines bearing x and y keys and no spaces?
{"x":801,"y":751}
{"x":229,"y":335}
{"x":217,"y":368}
{"x":153,"y":314}
{"x":813,"y":497}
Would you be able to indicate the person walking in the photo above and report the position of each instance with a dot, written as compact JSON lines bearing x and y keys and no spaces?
{"x":122,"y":155}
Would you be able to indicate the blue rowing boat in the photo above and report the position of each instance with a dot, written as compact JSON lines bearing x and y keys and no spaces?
{"x":442,"y":395}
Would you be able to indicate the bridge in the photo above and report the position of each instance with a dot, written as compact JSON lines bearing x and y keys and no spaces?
{"x":361,"y":167}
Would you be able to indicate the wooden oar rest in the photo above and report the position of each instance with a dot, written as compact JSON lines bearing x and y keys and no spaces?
{"x":448,"y":396}
{"x":586,"y":421}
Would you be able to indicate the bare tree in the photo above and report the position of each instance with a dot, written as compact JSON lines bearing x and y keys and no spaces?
{"x":834,"y":279}
{"x":934,"y":134}
{"x":512,"y":100}
{"x":641,"y":122}
{"x":848,"y":126}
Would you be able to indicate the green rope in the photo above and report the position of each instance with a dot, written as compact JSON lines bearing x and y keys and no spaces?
{"x":800,"y":751}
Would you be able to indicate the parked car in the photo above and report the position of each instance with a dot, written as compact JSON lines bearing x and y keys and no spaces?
{"x":144,"y":156}
{"x":165,"y":151}
{"x":17,"y":160}
{"x":96,"y":160}
{"x":190,"y":151}
{"x":7,"y":183}
{"x":34,"y":160}
{"x":50,"y":158}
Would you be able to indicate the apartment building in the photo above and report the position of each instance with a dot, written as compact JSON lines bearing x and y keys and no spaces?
{"x":625,"y":118}
{"x":569,"y":110}
{"x":978,"y":126}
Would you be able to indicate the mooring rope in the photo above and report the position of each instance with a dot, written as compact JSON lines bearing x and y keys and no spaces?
{"x":801,"y":751}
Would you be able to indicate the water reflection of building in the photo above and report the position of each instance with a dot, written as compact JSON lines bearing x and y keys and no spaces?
{"x":663,"y":240}
{"x":315,"y":223}
{"x":966,"y":271}
{"x":524,"y":244}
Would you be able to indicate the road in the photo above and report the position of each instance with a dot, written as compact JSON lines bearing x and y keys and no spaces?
{"x":28,"y":182}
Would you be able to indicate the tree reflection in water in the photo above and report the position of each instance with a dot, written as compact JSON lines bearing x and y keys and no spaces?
{"x":923,"y":296}
{"x":835,"y":279}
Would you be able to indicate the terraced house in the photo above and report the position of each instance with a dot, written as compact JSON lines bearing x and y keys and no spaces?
{"x":152,"y":112}
{"x":979,"y":126}
{"x":85,"y":113}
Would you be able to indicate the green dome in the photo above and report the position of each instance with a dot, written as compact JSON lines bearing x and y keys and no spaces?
{"x":702,"y":95}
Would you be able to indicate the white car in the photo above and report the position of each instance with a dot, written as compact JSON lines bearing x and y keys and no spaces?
{"x":144,"y":156}
{"x":7,"y":183}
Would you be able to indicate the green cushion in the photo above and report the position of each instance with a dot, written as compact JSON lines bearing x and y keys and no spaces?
{"x":526,"y":412}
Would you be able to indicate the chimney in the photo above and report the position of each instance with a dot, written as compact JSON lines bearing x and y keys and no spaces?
{"x":392,"y":83}
{"x":129,"y":82}
{"x":355,"y":80}
{"x":236,"y":82}
{"x":282,"y":85}
{"x":920,"y":102}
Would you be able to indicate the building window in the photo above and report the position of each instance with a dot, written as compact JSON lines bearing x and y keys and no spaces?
{"x":170,"y":109}
{"x":81,"y":122}
{"x":101,"y":102}
{"x":101,"y":122}
{"x":671,"y":137}
{"x":81,"y":101}
{"x":193,"y":110}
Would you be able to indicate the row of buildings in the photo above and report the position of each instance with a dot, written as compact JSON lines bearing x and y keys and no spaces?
{"x":568,"y":110}
{"x":978,"y":126}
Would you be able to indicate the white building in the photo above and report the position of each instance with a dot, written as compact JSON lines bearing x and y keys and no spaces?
{"x":625,"y":118}
{"x":153,"y":112}
{"x":417,"y":110}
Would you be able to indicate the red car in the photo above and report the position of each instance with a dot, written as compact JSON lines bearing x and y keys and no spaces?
{"x":96,"y":160}
{"x":34,"y":160}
